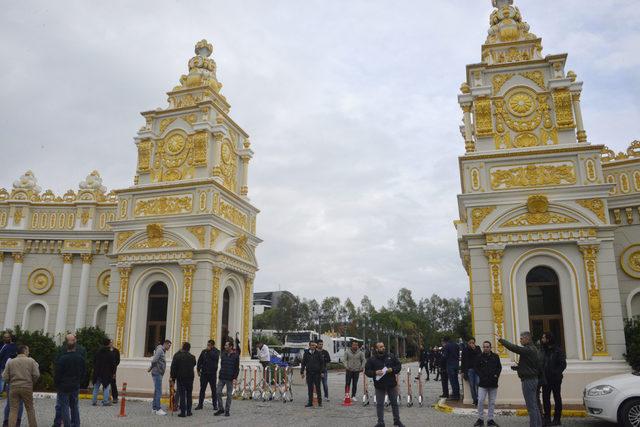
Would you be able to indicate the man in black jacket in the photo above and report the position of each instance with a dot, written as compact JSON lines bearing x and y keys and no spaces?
{"x":424,"y":362}
{"x":470,"y":353}
{"x":207,"y":370}
{"x":325,"y":373}
{"x":69,"y":373}
{"x":103,"y":371}
{"x":488,"y":368}
{"x":554,"y":364}
{"x":182,"y":371}
{"x":313,"y":363}
{"x":383,"y":368}
{"x":229,"y":370}
{"x":115,"y":353}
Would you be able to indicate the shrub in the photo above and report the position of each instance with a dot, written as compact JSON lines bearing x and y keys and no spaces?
{"x":632,"y":336}
{"x":91,"y":339}
{"x":42,"y":349}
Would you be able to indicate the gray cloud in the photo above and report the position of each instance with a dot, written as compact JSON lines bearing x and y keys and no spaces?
{"x":351,"y":107}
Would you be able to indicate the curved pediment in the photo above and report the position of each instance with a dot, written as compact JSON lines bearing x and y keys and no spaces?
{"x":538,"y":212}
{"x":240,"y":248}
{"x":155,"y":237}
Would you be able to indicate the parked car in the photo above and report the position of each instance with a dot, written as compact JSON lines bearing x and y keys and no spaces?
{"x":615,"y":399}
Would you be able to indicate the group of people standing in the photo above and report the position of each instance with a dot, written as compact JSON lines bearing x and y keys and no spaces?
{"x":540,"y":369}
{"x":216,"y":370}
{"x":381,"y":366}
{"x":20,"y":373}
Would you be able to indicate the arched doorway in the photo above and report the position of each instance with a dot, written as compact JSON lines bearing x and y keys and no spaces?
{"x":156,"y":327}
{"x":545,"y":306}
{"x":226,"y":300}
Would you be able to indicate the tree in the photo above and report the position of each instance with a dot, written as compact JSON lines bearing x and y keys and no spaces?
{"x":329,"y":313}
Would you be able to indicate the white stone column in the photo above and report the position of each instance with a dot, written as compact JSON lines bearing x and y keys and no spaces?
{"x":63,"y":300}
{"x":14,"y":290}
{"x":581,"y":133}
{"x":83,"y":294}
{"x":244,"y":187}
{"x":1,"y":264}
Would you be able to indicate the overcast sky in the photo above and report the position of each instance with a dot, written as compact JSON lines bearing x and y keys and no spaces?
{"x":351,"y":107}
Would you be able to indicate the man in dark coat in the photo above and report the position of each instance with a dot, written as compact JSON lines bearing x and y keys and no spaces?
{"x":313,"y":363}
{"x":442,"y":370}
{"x":69,"y":373}
{"x":103,"y":371}
{"x":488,"y":368}
{"x":182,"y":371}
{"x":554,"y":363}
{"x":424,"y":362}
{"x":229,"y":370}
{"x":207,"y":368}
{"x":529,"y":371}
{"x":451,"y":357}
{"x":383,"y":368}
{"x":115,"y":353}
{"x":470,"y":353}
{"x":432,"y":360}
{"x":325,"y":373}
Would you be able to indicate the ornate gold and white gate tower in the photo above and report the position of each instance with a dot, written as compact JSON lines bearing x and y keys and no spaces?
{"x":534,"y":231}
{"x":185,"y":231}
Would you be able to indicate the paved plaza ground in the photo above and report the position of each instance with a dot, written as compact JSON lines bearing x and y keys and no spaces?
{"x":268,"y":414}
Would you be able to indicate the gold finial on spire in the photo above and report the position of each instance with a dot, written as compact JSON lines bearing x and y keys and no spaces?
{"x":507,"y":24}
{"x":202,"y":69}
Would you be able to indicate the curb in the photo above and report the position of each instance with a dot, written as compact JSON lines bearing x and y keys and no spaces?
{"x":442,"y":406}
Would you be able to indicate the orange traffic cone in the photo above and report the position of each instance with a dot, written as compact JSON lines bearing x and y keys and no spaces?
{"x":123,"y":400}
{"x":315,"y":396}
{"x":347,"y":396}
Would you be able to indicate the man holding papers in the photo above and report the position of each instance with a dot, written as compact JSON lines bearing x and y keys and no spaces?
{"x":383,"y":368}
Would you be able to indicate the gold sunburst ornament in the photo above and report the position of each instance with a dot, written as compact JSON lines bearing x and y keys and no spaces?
{"x":104,"y":282}
{"x":40,"y":281}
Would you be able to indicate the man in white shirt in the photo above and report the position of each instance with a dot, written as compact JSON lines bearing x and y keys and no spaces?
{"x":263,"y":354}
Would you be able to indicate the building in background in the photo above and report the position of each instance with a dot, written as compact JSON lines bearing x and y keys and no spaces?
{"x":263,"y":301}
{"x":548,"y":230}
{"x":172,"y":256}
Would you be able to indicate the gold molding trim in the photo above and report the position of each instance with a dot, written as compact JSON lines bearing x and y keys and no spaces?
{"x":479,"y":214}
{"x":123,"y":299}
{"x":589,"y":256}
{"x":494,"y":258}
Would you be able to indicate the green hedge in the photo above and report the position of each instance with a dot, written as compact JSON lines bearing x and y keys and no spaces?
{"x":632,"y":336}
{"x":43,"y":349}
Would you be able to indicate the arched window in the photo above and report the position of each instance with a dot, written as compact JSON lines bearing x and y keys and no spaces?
{"x":156,"y":317}
{"x":101,"y":317}
{"x":226,"y":300}
{"x":36,"y":317}
{"x":545,"y":306}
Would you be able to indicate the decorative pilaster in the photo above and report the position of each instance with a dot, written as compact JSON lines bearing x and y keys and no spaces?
{"x":83,"y":293}
{"x":217,"y":146}
{"x":123,"y":297}
{"x":244,"y":187}
{"x":187,"y":284}
{"x":469,"y":145}
{"x":590,"y":258}
{"x":63,"y":299}
{"x":215,"y":295}
{"x":14,"y":290}
{"x":246,"y":318}
{"x":577,"y":111}
{"x":494,"y":256}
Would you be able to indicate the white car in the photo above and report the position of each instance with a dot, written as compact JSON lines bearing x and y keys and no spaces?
{"x":615,"y":399}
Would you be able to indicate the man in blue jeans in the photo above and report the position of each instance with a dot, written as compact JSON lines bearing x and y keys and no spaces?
{"x":69,"y":373}
{"x":451,"y":355}
{"x":157,"y":369}
{"x":470,"y":353}
{"x":529,"y":369}
{"x":325,"y":373}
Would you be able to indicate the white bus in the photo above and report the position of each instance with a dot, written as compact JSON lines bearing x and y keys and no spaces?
{"x":336,"y":346}
{"x":297,"y":341}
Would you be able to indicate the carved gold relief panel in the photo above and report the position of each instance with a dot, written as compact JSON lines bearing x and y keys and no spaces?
{"x":165,"y":205}
{"x":176,"y":156}
{"x":532,"y":175}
